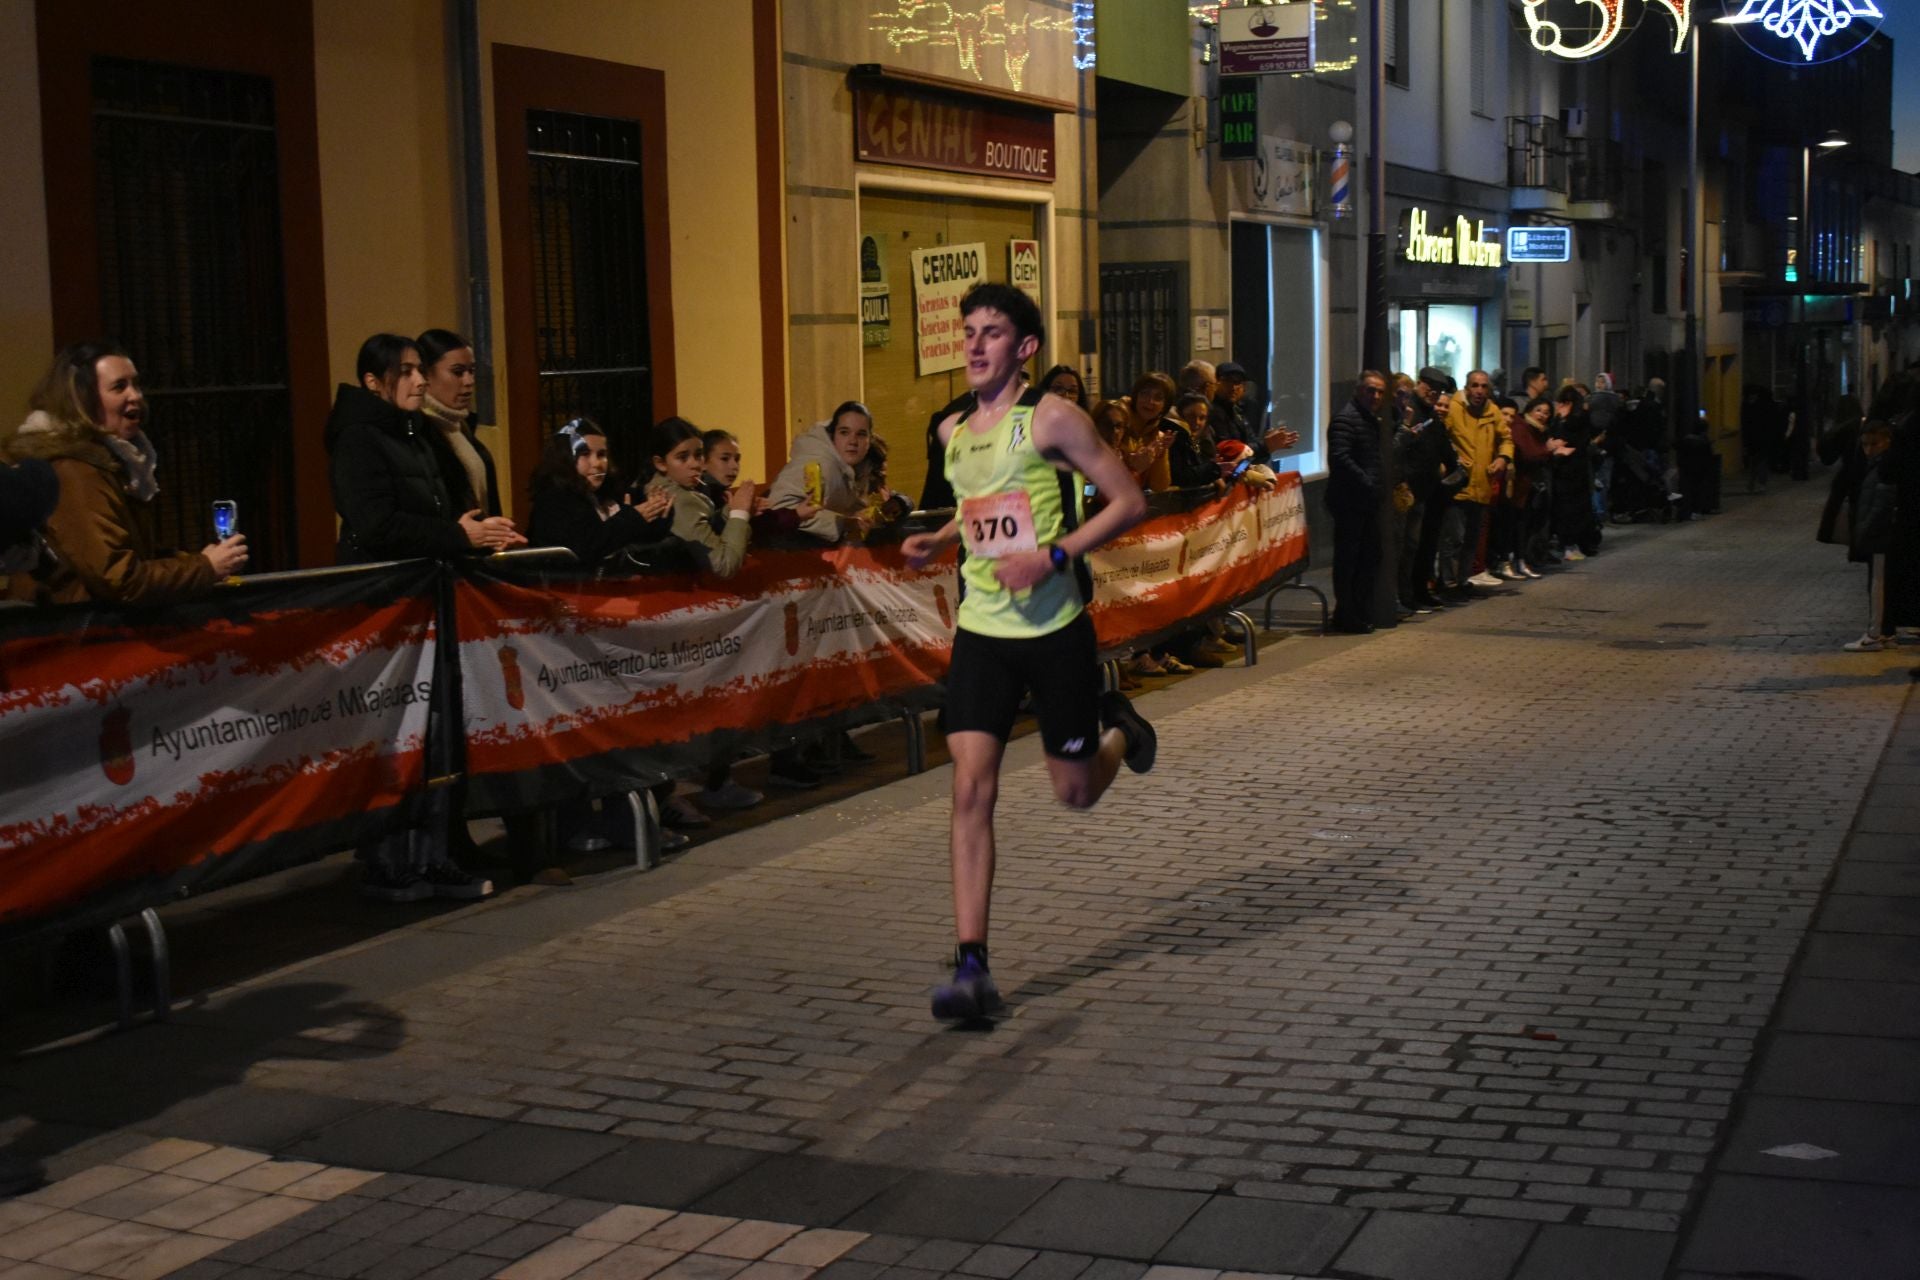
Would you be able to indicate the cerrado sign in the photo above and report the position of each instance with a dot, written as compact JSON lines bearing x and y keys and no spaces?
{"x":905,"y":124}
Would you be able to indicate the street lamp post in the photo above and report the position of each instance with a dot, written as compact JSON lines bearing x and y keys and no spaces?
{"x":1373,"y":339}
{"x":1805,"y":274}
{"x":1693,"y":403}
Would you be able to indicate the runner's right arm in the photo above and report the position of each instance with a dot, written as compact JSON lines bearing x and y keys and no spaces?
{"x":922,"y":547}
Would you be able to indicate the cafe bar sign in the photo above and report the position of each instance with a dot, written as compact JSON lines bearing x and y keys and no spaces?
{"x":1432,"y":239}
{"x":895,"y":122}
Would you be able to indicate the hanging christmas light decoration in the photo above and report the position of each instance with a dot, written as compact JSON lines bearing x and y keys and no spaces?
{"x":1083,"y":46}
{"x":1806,"y":23}
{"x":969,"y":31}
{"x":1551,"y":37}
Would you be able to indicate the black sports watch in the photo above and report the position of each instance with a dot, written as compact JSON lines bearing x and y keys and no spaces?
{"x":1059,"y":557}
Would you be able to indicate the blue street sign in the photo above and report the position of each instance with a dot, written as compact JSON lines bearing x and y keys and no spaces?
{"x":1539,"y":244}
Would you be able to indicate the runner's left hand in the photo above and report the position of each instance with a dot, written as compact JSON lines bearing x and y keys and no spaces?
{"x":1023,"y":569}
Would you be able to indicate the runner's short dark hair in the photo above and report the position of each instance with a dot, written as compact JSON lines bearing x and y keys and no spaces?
{"x":1010,"y":302}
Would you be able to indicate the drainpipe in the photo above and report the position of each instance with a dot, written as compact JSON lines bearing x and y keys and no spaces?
{"x":473,"y":167}
{"x":1089,"y":225}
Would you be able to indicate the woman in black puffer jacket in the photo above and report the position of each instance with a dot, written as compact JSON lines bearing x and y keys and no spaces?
{"x":387,"y":481}
{"x":393,"y":502}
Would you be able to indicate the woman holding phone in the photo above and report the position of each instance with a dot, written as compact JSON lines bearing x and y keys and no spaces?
{"x":87,"y":421}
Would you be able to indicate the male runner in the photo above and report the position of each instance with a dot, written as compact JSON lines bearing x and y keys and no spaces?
{"x":1023,"y":626}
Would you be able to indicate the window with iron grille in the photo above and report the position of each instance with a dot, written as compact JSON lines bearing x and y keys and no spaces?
{"x":1477,"y":57}
{"x":1142,"y":321}
{"x":590,"y":278}
{"x":187,"y":197}
{"x":1393,"y":39}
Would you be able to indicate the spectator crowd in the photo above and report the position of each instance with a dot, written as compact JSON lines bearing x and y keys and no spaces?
{"x":1490,"y":488}
{"x":410,"y":477}
{"x":1486,"y":488}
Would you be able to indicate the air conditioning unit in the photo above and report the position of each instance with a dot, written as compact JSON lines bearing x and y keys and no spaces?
{"x":1574,"y":119}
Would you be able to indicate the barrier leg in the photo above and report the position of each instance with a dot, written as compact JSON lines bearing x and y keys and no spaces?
{"x":916,"y":742}
{"x":1321,"y":596}
{"x":646,"y":829}
{"x":122,"y":973}
{"x":160,"y":957}
{"x":1267,"y":616}
{"x":1245,"y":624}
{"x":162,"y":964}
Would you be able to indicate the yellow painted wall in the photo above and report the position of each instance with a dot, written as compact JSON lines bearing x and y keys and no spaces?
{"x":391,"y":188}
{"x":26,"y":302}
{"x":391,"y":196}
{"x":706,"y":51}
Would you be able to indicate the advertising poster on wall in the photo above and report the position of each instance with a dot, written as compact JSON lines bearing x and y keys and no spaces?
{"x":876,"y":299}
{"x":1265,"y":40}
{"x":1280,"y":179}
{"x":940,"y":277}
{"x":1023,"y":266}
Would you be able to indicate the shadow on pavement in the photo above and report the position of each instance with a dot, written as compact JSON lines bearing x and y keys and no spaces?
{"x":186,"y":1077}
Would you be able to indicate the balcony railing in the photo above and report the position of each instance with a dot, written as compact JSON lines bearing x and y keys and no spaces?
{"x":1536,"y":153}
{"x":1597,"y":173}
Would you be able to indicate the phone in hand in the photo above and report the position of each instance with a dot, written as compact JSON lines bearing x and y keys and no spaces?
{"x":1240,"y":468}
{"x":226,"y":519}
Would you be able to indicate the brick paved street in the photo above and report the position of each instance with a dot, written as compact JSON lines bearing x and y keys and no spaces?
{"x":1481,"y":917}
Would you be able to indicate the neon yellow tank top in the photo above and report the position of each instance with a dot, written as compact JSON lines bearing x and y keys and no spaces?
{"x":1003,"y":460}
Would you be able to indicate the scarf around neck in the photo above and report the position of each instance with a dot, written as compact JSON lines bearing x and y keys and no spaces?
{"x":141,"y":460}
{"x":453,"y":429}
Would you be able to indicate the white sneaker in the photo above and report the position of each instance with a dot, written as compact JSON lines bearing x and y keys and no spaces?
{"x":1484,"y":580}
{"x":1868,"y":643}
{"x":1507,"y":573}
{"x":727,"y":796}
{"x":1526,"y":569}
{"x":1573,"y":555}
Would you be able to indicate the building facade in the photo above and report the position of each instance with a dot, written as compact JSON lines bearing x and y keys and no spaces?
{"x":753,"y":213}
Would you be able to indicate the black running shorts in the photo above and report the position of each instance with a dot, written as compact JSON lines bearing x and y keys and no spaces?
{"x":1060,"y":669}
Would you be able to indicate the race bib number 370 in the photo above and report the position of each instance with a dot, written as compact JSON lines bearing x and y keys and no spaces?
{"x":998,"y":525}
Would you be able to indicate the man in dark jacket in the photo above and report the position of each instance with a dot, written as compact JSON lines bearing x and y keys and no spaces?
{"x":1230,"y":420}
{"x":1353,"y":494}
{"x":1438,"y":478}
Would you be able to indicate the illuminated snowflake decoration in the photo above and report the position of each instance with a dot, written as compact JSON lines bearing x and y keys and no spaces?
{"x":970,"y":31}
{"x":1806,"y":22}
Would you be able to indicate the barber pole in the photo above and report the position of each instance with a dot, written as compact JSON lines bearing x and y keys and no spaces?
{"x":1342,"y":182}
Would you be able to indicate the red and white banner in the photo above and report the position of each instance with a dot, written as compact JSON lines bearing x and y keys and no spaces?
{"x":154,"y":753}
{"x":147,"y":750}
{"x":556,"y":670}
{"x":1171,"y":569}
